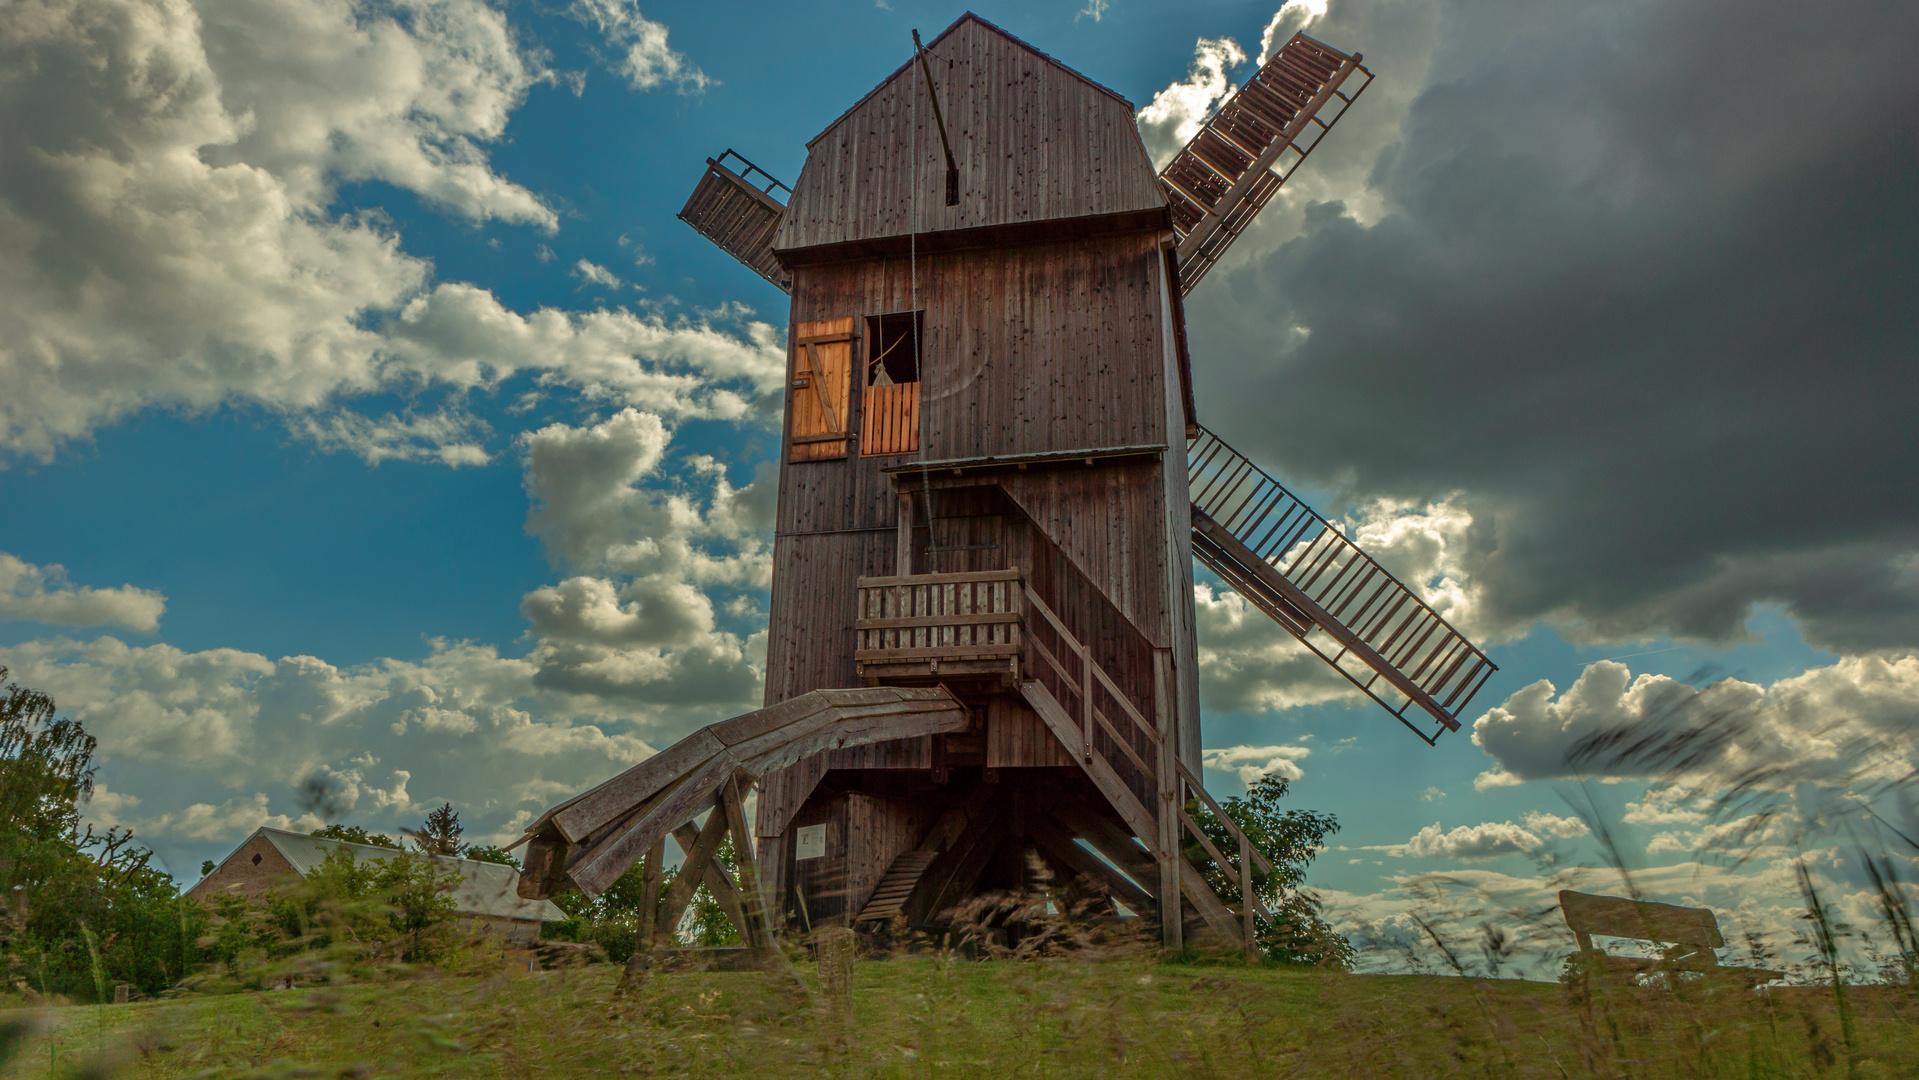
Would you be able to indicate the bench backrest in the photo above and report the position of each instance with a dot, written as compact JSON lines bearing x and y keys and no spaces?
{"x":1615,"y":916}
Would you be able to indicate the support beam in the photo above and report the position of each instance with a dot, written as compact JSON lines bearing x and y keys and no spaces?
{"x":753,"y":895}
{"x":1166,"y":714}
{"x":680,"y":893}
{"x":718,"y":883}
{"x":1082,"y":862}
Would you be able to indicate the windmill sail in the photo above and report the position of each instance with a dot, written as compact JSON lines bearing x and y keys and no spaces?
{"x":733,"y":209}
{"x":1290,"y":563}
{"x":1241,"y":157}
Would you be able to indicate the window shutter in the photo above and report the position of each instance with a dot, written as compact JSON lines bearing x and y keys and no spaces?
{"x":822,"y":376}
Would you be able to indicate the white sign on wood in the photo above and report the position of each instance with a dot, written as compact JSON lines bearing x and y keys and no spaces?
{"x":810,"y":843}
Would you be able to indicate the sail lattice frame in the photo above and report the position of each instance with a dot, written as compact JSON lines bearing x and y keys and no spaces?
{"x":1239,"y":160}
{"x":1316,"y":583}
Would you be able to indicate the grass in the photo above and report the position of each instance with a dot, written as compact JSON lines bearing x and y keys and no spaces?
{"x":925,"y":1017}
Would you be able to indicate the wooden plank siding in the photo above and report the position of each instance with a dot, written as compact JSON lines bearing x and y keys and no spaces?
{"x":1033,"y":139}
{"x":1030,"y":349}
{"x":1052,"y":339}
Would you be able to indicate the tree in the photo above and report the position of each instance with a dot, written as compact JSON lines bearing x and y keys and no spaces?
{"x":84,"y":908}
{"x":354,"y":834}
{"x":1290,"y":839}
{"x":491,"y":853}
{"x":441,"y":833}
{"x":46,"y":772}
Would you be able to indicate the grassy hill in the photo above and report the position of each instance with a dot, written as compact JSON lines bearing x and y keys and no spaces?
{"x":925,"y":1018}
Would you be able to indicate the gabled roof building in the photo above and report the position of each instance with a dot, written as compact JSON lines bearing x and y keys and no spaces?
{"x":275,"y":858}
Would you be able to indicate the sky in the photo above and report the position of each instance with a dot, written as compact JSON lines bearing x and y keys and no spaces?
{"x":373,"y":435}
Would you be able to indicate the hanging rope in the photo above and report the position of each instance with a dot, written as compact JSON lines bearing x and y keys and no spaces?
{"x":913,"y":269}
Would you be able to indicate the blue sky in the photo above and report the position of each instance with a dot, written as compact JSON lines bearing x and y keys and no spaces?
{"x":373,"y":419}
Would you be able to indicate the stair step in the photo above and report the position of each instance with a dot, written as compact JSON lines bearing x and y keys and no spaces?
{"x":896,"y":886}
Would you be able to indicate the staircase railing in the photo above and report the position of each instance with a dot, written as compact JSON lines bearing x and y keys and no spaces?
{"x":1080,"y":679}
{"x":1304,"y":573}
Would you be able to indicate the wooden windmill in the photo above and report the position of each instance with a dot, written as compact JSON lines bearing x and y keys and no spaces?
{"x":992,"y":489}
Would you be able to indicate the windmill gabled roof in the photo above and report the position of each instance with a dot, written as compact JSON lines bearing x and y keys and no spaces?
{"x":942,"y":36}
{"x":1032,"y":140}
{"x":485,"y":888}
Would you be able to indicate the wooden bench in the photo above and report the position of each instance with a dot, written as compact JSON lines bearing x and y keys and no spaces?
{"x":1690,"y":934}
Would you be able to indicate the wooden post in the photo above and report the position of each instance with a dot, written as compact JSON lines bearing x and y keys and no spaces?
{"x":1086,"y":701}
{"x":836,"y":946}
{"x":752,"y":896}
{"x":903,"y":555}
{"x":1246,"y":896}
{"x":649,"y":913}
{"x":1171,"y":928}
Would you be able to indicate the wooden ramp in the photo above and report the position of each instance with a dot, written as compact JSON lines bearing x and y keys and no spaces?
{"x":593,"y":838}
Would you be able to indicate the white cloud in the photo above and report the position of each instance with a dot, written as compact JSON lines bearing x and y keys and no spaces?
{"x":1665,"y":842}
{"x":1432,"y":794}
{"x":1667,"y":806}
{"x":1093,"y":10}
{"x":42,"y":594}
{"x":168,"y":234}
{"x":638,"y":622}
{"x":648,"y":61}
{"x":1553,"y":826}
{"x":1248,"y":664}
{"x":1488,"y":840}
{"x":1250,"y":763}
{"x":1825,"y":725}
{"x":594,"y":274}
{"x":241,"y":734}
{"x":1177,"y":113}
{"x":448,"y":437}
{"x":1291,"y":18}
{"x":230,"y":820}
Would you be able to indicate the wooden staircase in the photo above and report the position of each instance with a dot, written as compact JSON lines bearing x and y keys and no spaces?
{"x":993,"y":626}
{"x":901,"y":878}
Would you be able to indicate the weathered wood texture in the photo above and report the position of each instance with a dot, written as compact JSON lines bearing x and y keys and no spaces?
{"x":614,"y":824}
{"x":819,"y":404}
{"x":740,"y":218}
{"x":1615,"y":916}
{"x":1238,"y":160}
{"x":935,"y":617}
{"x":1025,"y":349}
{"x":1033,"y":139}
{"x":890,"y":419}
{"x":864,"y":834}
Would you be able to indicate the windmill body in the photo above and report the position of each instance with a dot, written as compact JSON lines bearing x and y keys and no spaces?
{"x":981,"y":657}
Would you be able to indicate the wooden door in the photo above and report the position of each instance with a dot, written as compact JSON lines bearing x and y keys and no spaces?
{"x":822,"y":376}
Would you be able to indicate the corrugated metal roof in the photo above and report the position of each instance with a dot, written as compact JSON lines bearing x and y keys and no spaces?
{"x":485,"y":888}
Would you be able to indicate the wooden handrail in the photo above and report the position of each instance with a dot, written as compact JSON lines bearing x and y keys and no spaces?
{"x":1241,"y":878}
{"x":1231,"y":826}
{"x":1094,"y":669}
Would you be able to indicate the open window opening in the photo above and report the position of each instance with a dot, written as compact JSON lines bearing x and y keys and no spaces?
{"x":893,"y":355}
{"x":890,"y":415}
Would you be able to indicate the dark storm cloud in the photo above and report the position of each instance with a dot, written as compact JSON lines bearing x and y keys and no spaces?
{"x":1643,"y":294}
